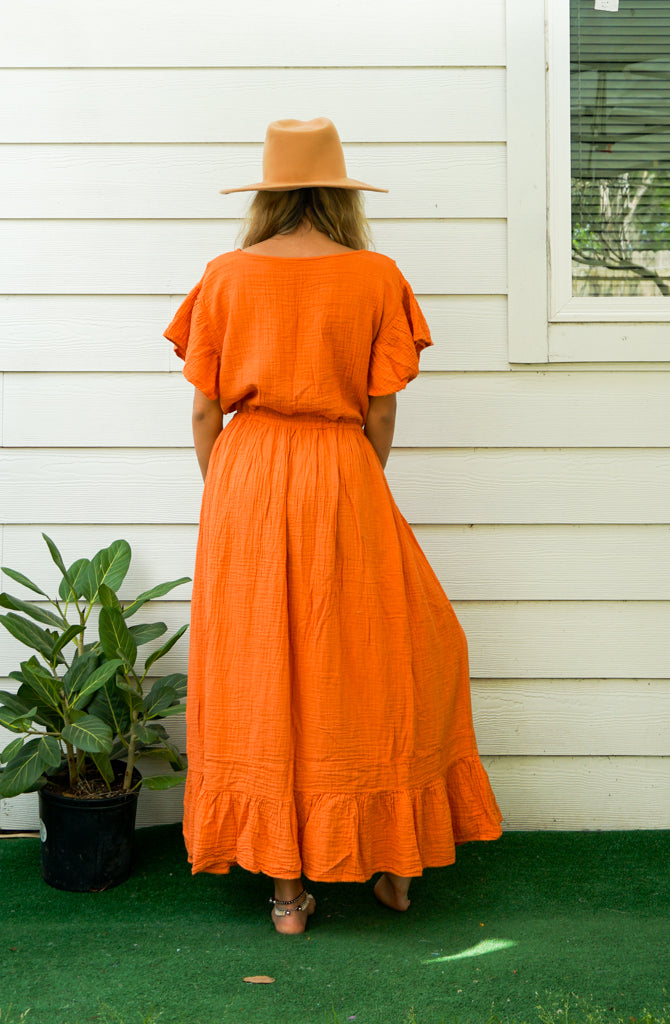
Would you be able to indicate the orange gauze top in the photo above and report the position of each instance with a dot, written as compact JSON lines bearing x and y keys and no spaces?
{"x":312,"y":335}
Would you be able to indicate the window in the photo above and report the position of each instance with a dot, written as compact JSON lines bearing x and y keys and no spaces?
{"x":589,"y":161}
{"x":620,"y":148}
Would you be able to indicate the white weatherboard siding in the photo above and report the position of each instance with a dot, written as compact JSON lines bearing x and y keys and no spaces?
{"x":539,"y":494}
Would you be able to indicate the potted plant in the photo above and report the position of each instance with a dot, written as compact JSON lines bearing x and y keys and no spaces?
{"x":84,"y":714}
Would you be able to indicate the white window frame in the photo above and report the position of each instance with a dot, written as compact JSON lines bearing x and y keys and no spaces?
{"x":546,"y":324}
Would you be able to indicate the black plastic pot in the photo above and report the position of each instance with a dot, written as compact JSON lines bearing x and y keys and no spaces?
{"x":87,"y":845}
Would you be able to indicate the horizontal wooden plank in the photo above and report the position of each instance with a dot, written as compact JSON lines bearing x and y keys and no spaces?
{"x":464,"y":257}
{"x":597,"y":342}
{"x":567,"y":639}
{"x":83,"y":333}
{"x":548,"y":717}
{"x":507,"y":639}
{"x":585,"y":717}
{"x":431,"y":104}
{"x":473,"y":563}
{"x":158,"y":34}
{"x":535,"y":409}
{"x":427,"y":180}
{"x":552,"y":793}
{"x":499,"y":410}
{"x":429,"y":486}
{"x":556,"y":793}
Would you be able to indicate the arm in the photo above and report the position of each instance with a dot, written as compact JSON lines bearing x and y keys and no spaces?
{"x":207,"y":422}
{"x":380,"y":424}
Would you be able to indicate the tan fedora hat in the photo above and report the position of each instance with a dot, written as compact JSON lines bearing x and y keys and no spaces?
{"x":303,"y":154}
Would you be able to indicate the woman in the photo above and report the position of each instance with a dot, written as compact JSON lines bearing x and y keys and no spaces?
{"x":329,"y":726}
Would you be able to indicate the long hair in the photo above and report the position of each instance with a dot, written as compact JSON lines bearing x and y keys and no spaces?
{"x":338,"y":212}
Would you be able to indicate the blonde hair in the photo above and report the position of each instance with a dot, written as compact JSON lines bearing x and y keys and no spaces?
{"x":338,"y":212}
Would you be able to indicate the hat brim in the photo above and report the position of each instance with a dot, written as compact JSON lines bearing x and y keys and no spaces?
{"x":260,"y":186}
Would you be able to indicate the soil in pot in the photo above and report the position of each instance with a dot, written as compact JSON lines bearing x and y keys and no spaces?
{"x":88,"y":836}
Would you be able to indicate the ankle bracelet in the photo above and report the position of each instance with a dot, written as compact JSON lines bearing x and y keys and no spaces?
{"x":284,"y":903}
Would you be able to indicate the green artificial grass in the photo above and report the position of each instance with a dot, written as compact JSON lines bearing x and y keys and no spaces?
{"x":535,"y":928}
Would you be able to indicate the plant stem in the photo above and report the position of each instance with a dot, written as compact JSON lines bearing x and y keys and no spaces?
{"x":71,"y":763}
{"x":130,"y":763}
{"x":80,"y":637}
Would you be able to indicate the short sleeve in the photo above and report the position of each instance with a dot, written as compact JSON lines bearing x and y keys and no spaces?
{"x":403,"y":334}
{"x":194,"y":341}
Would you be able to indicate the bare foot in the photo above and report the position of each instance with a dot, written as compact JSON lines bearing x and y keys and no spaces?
{"x":295,"y":922}
{"x":391,"y":890}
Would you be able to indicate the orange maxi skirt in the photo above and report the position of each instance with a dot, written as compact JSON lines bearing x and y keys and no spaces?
{"x":329,"y":720}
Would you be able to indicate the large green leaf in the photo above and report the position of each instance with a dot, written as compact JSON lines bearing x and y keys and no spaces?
{"x":16,"y":723}
{"x":115,"y":635}
{"x":178,"y":760}
{"x":29,"y":634}
{"x":146,"y":734}
{"x":110,"y":705}
{"x":33,"y":610}
{"x":58,"y":558}
{"x":177,"y":680}
{"x":11,"y":750}
{"x":50,"y":751}
{"x":76,"y":576}
{"x":70,"y":633}
{"x":104,"y":765}
{"x":14,"y":703}
{"x":92,"y":683}
{"x":163,"y":781}
{"x":82,"y":665}
{"x":165,"y":648}
{"x":90,"y":734}
{"x":147,"y":595}
{"x":134,"y":699}
{"x":24,"y":770}
{"x":173,"y":709}
{"x":108,"y":566}
{"x":107,"y":597}
{"x":161,"y":696}
{"x":18,"y":577}
{"x":144,"y":632}
{"x":45,"y":714}
{"x":42,"y":683}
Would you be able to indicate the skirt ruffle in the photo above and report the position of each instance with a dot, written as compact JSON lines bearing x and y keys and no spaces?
{"x":402,"y":832}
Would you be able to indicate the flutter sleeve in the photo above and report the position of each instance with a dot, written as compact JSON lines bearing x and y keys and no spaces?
{"x":195,"y":342}
{"x":403,"y":334}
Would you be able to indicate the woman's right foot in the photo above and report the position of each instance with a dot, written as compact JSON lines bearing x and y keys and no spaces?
{"x":391,"y":890}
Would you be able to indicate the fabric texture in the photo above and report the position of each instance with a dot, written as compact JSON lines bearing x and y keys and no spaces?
{"x":329,"y":722}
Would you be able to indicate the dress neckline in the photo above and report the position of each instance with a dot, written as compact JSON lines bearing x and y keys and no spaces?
{"x":326,"y":256}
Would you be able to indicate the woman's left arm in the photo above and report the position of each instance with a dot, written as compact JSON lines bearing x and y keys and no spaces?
{"x":207,"y":422}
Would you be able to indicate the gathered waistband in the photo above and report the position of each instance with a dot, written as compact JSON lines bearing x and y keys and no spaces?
{"x":296,"y":419}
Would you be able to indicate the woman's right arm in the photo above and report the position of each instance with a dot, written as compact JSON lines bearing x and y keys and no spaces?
{"x":380,"y":424}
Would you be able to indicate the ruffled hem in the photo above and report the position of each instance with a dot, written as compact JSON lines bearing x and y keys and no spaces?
{"x":339,"y":837}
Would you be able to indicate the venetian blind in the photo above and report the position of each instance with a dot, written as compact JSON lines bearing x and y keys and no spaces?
{"x":620,"y":147}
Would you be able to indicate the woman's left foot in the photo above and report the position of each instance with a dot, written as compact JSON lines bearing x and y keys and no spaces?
{"x":290,"y":916}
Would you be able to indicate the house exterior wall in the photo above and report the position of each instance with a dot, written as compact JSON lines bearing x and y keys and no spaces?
{"x":540,"y":493}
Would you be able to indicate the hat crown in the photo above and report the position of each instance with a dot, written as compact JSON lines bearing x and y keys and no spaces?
{"x":303,"y":154}
{"x":303,"y":151}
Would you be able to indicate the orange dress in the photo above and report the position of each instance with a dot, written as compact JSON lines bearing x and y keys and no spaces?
{"x":329,"y":724}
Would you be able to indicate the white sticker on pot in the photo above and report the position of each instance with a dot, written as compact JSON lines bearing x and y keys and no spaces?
{"x":43,"y":832}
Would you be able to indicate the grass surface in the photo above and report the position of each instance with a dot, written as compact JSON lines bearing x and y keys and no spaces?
{"x":536,"y":928}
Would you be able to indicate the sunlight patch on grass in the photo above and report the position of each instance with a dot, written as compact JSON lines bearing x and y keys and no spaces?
{"x":483,"y":947}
